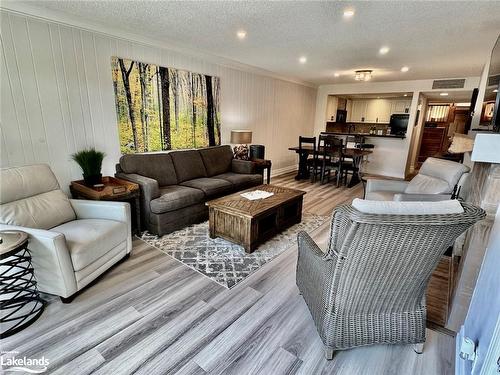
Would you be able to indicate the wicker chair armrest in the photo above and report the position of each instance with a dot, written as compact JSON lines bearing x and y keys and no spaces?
{"x":311,"y":263}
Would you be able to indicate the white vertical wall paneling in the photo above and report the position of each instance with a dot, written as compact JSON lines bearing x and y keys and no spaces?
{"x":57,"y":96}
{"x":17,"y":101}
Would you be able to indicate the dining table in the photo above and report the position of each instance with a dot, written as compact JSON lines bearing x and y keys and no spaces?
{"x":356,"y":154}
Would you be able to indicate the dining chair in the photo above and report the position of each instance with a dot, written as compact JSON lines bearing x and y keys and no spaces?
{"x":349,"y":166}
{"x":309,"y":143}
{"x":331,"y":152}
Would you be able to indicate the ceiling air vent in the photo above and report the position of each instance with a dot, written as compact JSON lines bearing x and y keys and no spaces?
{"x":448,"y":84}
{"x":494,"y":80}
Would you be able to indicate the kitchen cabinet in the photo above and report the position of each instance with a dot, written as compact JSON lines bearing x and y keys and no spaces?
{"x":378,"y":110}
{"x":358,"y":113}
{"x":400,"y":106}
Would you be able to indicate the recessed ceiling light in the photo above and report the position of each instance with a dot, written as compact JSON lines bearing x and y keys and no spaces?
{"x":496,"y":90}
{"x":444,"y":94}
{"x":336,"y":74}
{"x":302,"y":59}
{"x":348,"y":13}
{"x":383,"y":50}
{"x":241,"y":34}
{"x":405,"y":95}
{"x":404,"y":69}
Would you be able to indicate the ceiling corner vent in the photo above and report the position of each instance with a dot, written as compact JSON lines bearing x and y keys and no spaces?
{"x":448,"y":84}
{"x":494,"y":80}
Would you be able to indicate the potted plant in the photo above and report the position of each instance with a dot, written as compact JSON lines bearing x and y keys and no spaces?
{"x":90,"y":161}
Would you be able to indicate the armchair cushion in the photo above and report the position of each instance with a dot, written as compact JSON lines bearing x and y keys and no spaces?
{"x":423,"y":184}
{"x":381,"y":195}
{"x":445,"y":170}
{"x":89,"y":239}
{"x":217,"y":159}
{"x":41,"y":211}
{"x":240,"y":180}
{"x":175,"y":197}
{"x":210,"y":186}
{"x":407,"y":208}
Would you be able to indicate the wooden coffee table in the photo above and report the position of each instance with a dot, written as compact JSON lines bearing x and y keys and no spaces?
{"x":248,"y":222}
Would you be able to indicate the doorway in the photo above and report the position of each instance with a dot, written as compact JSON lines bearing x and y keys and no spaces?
{"x":444,"y":114}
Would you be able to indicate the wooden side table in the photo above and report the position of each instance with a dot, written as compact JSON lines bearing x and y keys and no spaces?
{"x":114,"y":189}
{"x":20,"y":302}
{"x":261,"y":165}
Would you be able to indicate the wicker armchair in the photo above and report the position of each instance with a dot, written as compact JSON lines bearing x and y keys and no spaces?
{"x":369,"y":287}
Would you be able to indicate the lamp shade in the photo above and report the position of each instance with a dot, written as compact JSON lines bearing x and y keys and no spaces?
{"x":241,"y":137}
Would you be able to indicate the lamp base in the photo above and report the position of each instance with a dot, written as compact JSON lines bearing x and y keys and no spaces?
{"x":241,"y":152}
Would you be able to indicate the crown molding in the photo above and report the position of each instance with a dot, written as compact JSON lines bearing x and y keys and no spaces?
{"x":61,"y":18}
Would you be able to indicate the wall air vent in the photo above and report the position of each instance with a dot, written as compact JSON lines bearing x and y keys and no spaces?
{"x":448,"y":84}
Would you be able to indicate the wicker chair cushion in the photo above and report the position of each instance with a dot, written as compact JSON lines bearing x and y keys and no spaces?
{"x":407,"y":208}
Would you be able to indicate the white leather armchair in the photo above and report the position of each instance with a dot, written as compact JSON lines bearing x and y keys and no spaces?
{"x":436,"y":181}
{"x":72,"y":242}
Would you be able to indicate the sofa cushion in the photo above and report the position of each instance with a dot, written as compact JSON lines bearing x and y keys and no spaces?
{"x":240,"y":180}
{"x":210,"y":186}
{"x":423,"y":184}
{"x":217,"y":159}
{"x":188,"y":165}
{"x":89,"y":239}
{"x":42,"y":211}
{"x":158,"y":166}
{"x":407,"y":208}
{"x":175,"y":197}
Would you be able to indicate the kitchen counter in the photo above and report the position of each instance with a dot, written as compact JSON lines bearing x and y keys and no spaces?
{"x":370,"y":135}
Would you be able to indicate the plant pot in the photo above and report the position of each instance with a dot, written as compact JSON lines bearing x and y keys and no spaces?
{"x":92,"y":180}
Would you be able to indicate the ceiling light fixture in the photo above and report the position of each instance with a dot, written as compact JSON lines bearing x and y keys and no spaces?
{"x":444,"y":94}
{"x":496,"y":90}
{"x":404,"y":69}
{"x":383,"y":50}
{"x":336,"y":74}
{"x":405,"y":95}
{"x":348,"y":13}
{"x":363,"y":75}
{"x":241,"y":34}
{"x":302,"y":59}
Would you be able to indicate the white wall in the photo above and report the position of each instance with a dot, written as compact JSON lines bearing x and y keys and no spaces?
{"x":391,"y":156}
{"x":57,"y":96}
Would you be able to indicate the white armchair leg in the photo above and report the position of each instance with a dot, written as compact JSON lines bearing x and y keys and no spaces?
{"x":418,"y":348}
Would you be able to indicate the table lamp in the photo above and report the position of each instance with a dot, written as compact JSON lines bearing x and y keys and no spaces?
{"x":241,"y":138}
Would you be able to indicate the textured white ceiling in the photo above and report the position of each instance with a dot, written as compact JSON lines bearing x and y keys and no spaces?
{"x":435,"y":39}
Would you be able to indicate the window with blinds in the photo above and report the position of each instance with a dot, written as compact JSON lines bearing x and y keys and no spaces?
{"x":438,"y":112}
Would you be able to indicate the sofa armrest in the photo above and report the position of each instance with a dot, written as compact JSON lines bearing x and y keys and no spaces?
{"x":386,"y":185}
{"x":51,"y":260}
{"x":401,"y":197}
{"x":149,"y":187}
{"x":118,"y":211}
{"x":242,"y":166}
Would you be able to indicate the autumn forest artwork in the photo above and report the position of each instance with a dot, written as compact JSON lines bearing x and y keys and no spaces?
{"x":161,"y":108}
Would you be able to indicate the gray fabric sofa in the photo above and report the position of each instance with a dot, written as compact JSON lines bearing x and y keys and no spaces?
{"x":175,"y":185}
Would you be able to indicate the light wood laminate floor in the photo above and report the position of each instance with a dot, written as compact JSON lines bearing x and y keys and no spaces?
{"x":153,"y":315}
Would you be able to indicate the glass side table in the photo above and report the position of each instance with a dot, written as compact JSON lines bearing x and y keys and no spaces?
{"x":20,"y":302}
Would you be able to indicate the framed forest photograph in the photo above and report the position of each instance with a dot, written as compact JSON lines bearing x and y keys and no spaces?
{"x":161,"y":108}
